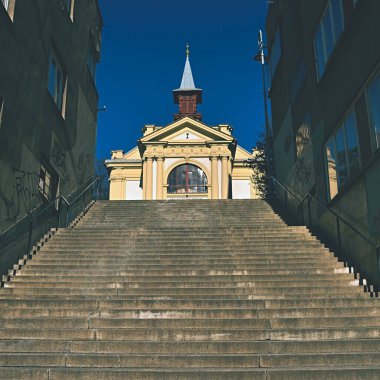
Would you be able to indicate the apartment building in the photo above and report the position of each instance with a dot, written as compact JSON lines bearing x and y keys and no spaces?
{"x":324,"y":63}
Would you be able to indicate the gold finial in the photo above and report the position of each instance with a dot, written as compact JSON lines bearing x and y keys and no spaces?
{"x":187,"y":50}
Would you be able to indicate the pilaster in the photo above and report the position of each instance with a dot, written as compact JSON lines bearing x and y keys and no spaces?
{"x":160,"y":175}
{"x":144,"y":179}
{"x":117,"y":189}
{"x":224,"y":177}
{"x":149,"y":178}
{"x":214,"y":178}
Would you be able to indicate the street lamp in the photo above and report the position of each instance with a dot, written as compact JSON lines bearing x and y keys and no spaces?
{"x":262,"y":58}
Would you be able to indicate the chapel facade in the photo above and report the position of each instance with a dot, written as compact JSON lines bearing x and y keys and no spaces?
{"x":182,"y":160}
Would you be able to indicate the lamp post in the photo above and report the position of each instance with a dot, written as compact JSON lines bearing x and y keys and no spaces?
{"x":262,"y":58}
{"x":266,"y":166}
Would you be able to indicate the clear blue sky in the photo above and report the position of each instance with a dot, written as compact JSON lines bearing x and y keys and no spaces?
{"x":143,"y":56}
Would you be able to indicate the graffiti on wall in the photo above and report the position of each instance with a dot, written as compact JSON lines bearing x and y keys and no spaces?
{"x":24,"y":196}
{"x":303,"y":173}
{"x":83,"y":167}
{"x":301,"y":178}
{"x":58,"y":159}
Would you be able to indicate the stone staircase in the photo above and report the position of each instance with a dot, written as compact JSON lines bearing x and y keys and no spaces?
{"x":186,"y":290}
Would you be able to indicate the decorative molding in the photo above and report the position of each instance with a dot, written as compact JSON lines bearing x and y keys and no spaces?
{"x":118,"y":179}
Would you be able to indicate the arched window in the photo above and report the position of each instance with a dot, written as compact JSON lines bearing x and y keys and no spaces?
{"x":185,"y":179}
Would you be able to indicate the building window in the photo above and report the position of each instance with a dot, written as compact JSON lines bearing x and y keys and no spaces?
{"x":342,"y":155}
{"x":45,"y":183}
{"x":275,"y":52}
{"x":57,"y":83}
{"x":373,"y":100}
{"x":9,"y":6}
{"x":91,"y":61}
{"x":303,"y":135}
{"x":5,"y":4}
{"x":187,"y":179}
{"x":68,"y":6}
{"x":327,"y":34}
{"x":1,"y":109}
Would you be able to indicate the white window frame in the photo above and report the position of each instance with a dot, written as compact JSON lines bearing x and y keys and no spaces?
{"x":45,"y":184}
{"x":1,"y":109}
{"x":6,"y":4}
{"x":9,"y":6}
{"x":68,"y":5}
{"x":59,"y":90}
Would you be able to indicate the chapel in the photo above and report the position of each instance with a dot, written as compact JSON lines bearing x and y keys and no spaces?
{"x":186,"y":159}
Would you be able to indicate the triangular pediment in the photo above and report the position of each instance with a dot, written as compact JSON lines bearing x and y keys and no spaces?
{"x":184,"y":130}
{"x":133,"y":154}
{"x":242,"y":154}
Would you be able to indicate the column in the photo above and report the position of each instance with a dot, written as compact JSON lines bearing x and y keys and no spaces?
{"x":149,"y":178}
{"x":160,"y":175}
{"x":214,"y":178}
{"x":224,"y":177}
{"x":144,"y":179}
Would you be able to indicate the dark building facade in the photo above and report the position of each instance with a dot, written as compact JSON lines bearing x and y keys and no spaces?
{"x":324,"y":61}
{"x":48,"y":105}
{"x":48,"y":100}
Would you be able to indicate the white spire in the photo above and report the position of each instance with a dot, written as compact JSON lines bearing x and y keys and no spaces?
{"x":187,"y":77}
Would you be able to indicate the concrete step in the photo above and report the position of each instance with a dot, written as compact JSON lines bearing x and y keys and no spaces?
{"x":204,"y":296}
{"x":335,"y":270}
{"x":50,"y":278}
{"x":223,"y":319}
{"x":351,"y":302}
{"x":337,"y":373}
{"x":183,"y":347}
{"x":191,"y":334}
{"x":23,"y":314}
{"x":227,"y":284}
{"x":227,"y":261}
{"x":189,"y":361}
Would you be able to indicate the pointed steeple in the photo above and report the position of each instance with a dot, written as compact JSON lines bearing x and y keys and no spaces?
{"x":187,"y":96}
{"x":187,"y":77}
